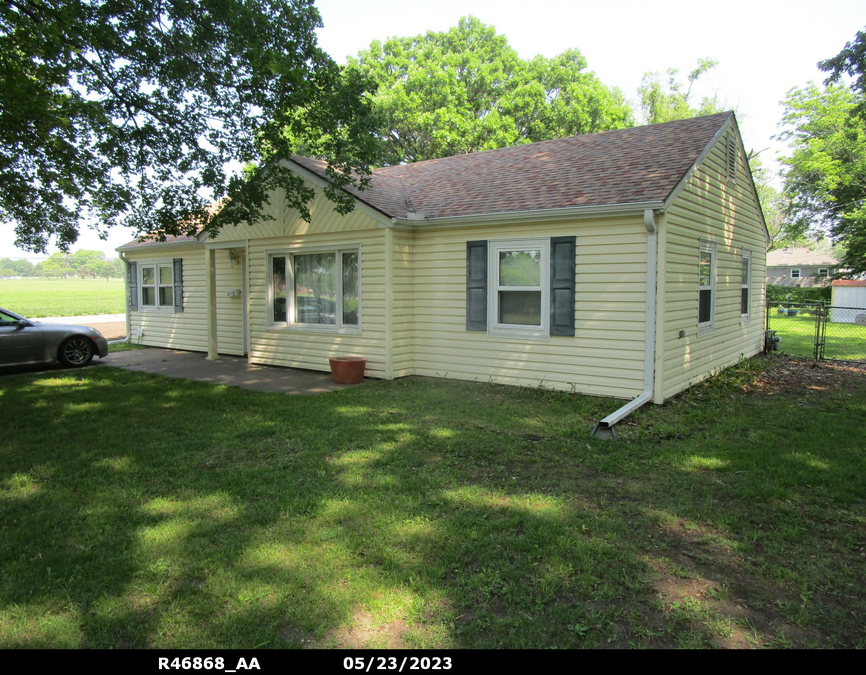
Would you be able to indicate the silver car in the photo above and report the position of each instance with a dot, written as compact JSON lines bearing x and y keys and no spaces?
{"x":23,"y":341}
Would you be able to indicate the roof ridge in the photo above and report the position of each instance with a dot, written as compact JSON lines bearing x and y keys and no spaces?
{"x":637,"y":165}
{"x":393,"y":168}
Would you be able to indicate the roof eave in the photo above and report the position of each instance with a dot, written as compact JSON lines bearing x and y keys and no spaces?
{"x":138,"y":246}
{"x":537,"y":215}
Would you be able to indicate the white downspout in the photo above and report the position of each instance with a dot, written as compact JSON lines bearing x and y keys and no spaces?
{"x":604,"y":429}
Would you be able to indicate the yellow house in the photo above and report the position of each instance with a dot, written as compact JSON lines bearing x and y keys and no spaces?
{"x":628,"y":263}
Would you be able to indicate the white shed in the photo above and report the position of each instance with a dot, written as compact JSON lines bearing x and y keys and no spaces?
{"x":849,"y":301}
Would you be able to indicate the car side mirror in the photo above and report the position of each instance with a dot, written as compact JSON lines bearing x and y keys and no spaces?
{"x":22,"y":323}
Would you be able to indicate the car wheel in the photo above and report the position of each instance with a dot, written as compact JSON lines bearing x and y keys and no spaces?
{"x":76,"y":351}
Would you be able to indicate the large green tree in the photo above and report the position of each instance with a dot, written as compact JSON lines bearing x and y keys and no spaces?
{"x":851,"y":61}
{"x":673,"y":100}
{"x":825,"y":176}
{"x":130,"y":111}
{"x":775,"y":208}
{"x":466,"y":90}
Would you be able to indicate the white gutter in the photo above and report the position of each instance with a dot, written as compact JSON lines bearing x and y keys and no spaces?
{"x":604,"y":429}
{"x":416,"y":221}
{"x":122,"y":256}
{"x":147,"y":246}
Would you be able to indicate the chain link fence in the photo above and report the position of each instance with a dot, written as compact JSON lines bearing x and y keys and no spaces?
{"x":817,"y":330}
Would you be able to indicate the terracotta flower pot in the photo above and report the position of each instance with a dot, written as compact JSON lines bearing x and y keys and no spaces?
{"x":348,"y":369}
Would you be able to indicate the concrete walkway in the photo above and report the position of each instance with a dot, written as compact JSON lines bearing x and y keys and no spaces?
{"x":231,"y":370}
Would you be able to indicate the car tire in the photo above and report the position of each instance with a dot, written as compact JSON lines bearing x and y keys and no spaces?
{"x":76,"y":351}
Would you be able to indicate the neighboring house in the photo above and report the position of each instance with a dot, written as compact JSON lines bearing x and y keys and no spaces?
{"x":799,"y":267}
{"x":628,"y":263}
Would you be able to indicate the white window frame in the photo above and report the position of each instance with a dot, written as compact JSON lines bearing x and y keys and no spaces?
{"x":797,"y":275}
{"x":155,"y":266}
{"x":290,"y":324}
{"x":494,"y":327}
{"x":747,"y":286}
{"x":823,"y":272}
{"x":707,"y":327}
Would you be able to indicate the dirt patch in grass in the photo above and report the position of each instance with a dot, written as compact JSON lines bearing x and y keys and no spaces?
{"x":705,"y":588}
{"x":363,"y":633}
{"x":790,"y":375}
{"x":111,"y":331}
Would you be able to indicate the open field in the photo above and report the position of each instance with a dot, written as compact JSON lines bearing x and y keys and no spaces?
{"x":843,"y":340}
{"x":36,"y":298}
{"x":141,"y":511}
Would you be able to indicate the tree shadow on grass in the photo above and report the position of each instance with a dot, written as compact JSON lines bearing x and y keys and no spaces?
{"x":141,"y":511}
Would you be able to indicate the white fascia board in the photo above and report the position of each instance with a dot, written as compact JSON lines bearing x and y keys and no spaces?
{"x":132,"y":248}
{"x":688,"y":174}
{"x":538,"y":215}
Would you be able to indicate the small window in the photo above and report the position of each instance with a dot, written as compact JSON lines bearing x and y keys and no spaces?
{"x":157,"y":286}
{"x":823,"y":272}
{"x":745,"y":285}
{"x":520,"y":290}
{"x":7,"y":319}
{"x":706,"y":287}
{"x":319,"y":289}
{"x":795,"y":273}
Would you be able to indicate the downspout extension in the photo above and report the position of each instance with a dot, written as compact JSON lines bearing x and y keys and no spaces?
{"x":604,"y":428}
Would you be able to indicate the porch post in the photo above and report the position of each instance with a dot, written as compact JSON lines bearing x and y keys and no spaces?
{"x":210,"y":266}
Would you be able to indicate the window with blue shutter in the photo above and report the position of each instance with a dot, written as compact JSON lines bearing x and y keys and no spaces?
{"x":178,"y":284}
{"x":522,"y":288}
{"x":132,"y":285}
{"x":562,"y":285}
{"x":476,"y":285}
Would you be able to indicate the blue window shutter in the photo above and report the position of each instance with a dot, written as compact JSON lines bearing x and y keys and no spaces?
{"x":178,"y":284}
{"x":476,"y":285}
{"x":132,"y":283}
{"x":562,"y":285}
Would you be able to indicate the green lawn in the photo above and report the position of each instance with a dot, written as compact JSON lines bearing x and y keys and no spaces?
{"x":34,"y":298}
{"x":141,"y":511}
{"x":843,"y":340}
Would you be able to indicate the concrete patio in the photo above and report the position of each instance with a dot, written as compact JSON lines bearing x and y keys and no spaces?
{"x":230,"y":370}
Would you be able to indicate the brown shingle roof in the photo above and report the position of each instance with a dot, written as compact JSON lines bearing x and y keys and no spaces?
{"x":626,"y":166}
{"x":794,"y":257}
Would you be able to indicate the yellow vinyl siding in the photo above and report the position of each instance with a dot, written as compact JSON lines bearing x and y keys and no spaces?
{"x":403,"y":303}
{"x":606,"y":355}
{"x":709,"y":208}
{"x":230,"y":318}
{"x":298,"y":348}
{"x":165,"y":328}
{"x":287,"y":223}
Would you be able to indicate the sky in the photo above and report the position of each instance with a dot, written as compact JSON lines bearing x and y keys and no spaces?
{"x":764,"y":48}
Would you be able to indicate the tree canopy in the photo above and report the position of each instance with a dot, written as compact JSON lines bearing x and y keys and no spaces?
{"x":466,"y":90}
{"x":851,"y":61}
{"x":129,"y":112}
{"x":825,"y":178}
{"x":658,"y":104}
